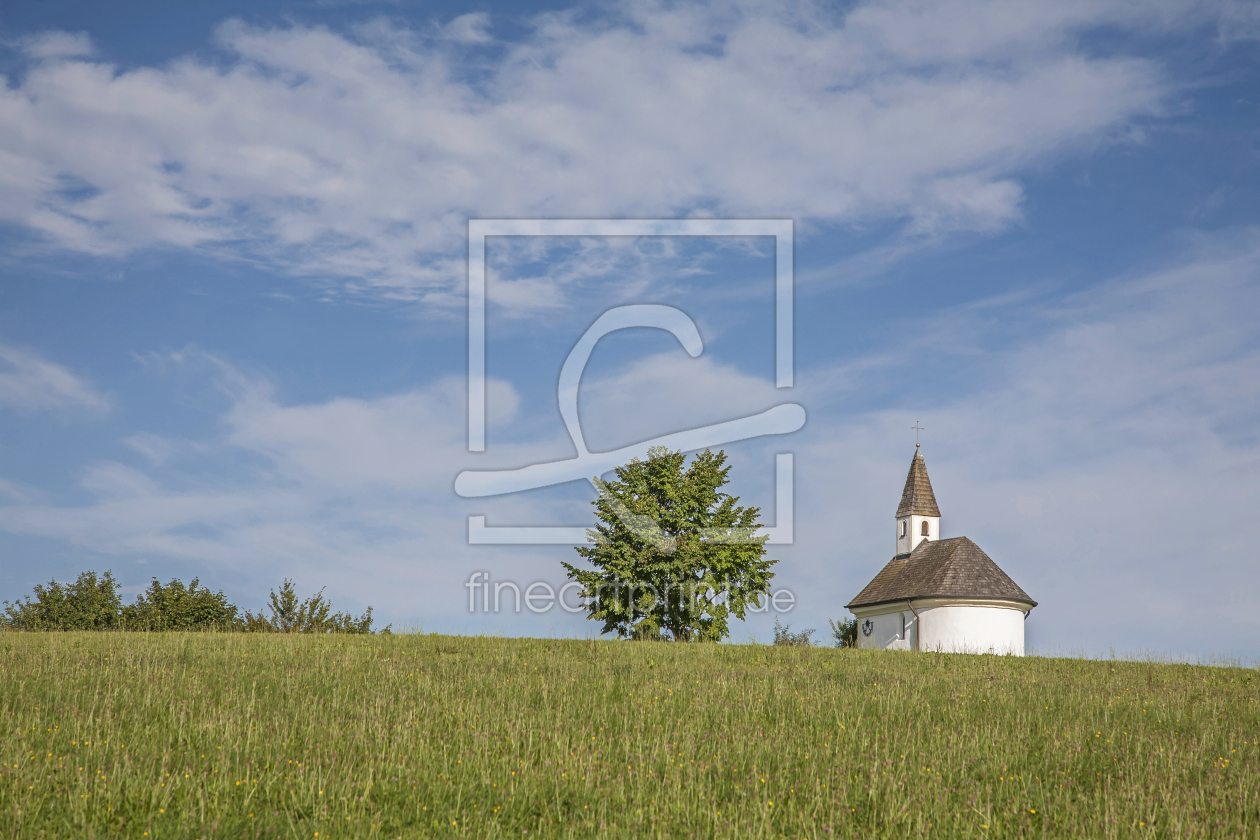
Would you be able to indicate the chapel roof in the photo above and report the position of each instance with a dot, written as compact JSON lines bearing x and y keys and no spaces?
{"x":953,"y":568}
{"x":917,"y":497}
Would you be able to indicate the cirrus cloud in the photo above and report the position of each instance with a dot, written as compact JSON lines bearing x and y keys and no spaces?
{"x":29,"y":383}
{"x":357,"y":156}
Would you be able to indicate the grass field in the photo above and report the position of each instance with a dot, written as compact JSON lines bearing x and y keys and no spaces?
{"x":244,"y":735}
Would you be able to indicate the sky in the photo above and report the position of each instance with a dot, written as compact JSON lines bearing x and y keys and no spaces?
{"x":234,"y":285}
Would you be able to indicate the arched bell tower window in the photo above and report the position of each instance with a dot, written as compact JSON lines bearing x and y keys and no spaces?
{"x":903,"y":527}
{"x":924,"y":530}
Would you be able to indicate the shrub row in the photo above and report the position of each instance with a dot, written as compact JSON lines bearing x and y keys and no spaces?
{"x":92,"y":603}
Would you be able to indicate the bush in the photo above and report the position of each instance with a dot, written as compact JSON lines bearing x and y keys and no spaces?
{"x":845,"y":632}
{"x":783,"y":635}
{"x":90,"y":603}
{"x":314,"y":615}
{"x":176,"y":607}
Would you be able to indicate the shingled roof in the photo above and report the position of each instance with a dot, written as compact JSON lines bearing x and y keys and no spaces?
{"x":953,"y":568}
{"x":917,"y":497}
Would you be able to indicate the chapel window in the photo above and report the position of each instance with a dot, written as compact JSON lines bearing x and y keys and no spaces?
{"x":924,"y":529}
{"x":903,"y":527}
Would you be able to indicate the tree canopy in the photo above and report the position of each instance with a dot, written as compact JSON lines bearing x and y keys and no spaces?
{"x":674,"y":557}
{"x":92,"y":603}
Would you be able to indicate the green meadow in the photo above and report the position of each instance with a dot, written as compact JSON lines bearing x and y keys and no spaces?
{"x":207,"y":735}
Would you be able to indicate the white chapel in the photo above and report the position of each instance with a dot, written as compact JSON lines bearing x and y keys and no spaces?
{"x":938,"y":595}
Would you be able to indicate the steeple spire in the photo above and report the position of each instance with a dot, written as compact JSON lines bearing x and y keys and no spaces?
{"x":917,"y":497}
{"x":918,"y":517}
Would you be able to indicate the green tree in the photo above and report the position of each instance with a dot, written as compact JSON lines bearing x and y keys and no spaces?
{"x":90,"y":603}
{"x":674,"y":557}
{"x":179,"y":607}
{"x":313,"y":615}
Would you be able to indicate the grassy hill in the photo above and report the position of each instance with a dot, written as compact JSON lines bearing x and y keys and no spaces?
{"x":223,"y":735}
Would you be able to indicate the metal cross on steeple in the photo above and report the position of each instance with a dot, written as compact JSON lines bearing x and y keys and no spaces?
{"x":917,"y":428}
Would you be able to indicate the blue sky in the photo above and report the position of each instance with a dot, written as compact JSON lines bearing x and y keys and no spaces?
{"x":233,"y":262}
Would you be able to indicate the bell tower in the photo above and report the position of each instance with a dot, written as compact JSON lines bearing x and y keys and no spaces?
{"x":918,"y":517}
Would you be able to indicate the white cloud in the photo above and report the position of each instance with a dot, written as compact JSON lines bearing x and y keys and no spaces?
{"x":156,"y":448}
{"x":668,"y":393}
{"x":1240,"y":20}
{"x":923,"y":32}
{"x":529,"y":275}
{"x":473,"y":28}
{"x":57,"y":44}
{"x":116,"y":481}
{"x":410,"y":441}
{"x":17,"y":492}
{"x":359,"y":157}
{"x":969,"y":203}
{"x":29,"y":383}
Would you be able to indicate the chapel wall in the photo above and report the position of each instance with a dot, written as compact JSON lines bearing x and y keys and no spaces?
{"x":972,"y":629}
{"x":886,"y":631}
